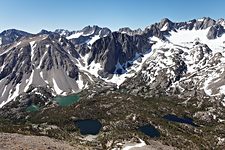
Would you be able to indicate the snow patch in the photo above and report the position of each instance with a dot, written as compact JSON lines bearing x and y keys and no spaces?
{"x":93,"y":39}
{"x":4,"y":90}
{"x":42,"y":58}
{"x":47,"y":46}
{"x":94,"y":68}
{"x":15,"y":93}
{"x":41,"y":74}
{"x":55,"y":86}
{"x":2,"y":67}
{"x":80,"y":82}
{"x":136,"y":67}
{"x":184,"y":36}
{"x":222,"y":89}
{"x":30,"y":80}
{"x":135,"y":146}
{"x":200,"y":19}
{"x":187,"y":37}
{"x":32,"y":44}
{"x":75,"y":35}
{"x":17,"y":44}
{"x":165,"y":27}
{"x":88,"y":34}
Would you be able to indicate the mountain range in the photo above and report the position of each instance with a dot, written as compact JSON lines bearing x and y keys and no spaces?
{"x":181,"y":58}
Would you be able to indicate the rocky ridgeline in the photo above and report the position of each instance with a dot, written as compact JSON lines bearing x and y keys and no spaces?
{"x":69,"y":61}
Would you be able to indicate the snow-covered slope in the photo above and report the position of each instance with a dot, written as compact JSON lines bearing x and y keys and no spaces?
{"x":187,"y":64}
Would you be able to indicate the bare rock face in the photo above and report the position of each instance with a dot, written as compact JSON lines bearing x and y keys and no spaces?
{"x":153,"y":30}
{"x":204,"y":23}
{"x":162,"y":29}
{"x":130,"y":32}
{"x":116,"y":49}
{"x":215,"y":31}
{"x":11,"y":35}
{"x":166,"y":24}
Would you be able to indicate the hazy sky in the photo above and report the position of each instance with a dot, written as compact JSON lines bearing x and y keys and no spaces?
{"x":34,"y":15}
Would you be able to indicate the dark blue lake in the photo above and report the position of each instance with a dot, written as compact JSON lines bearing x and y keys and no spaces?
{"x":149,"y":130}
{"x":184,"y":120}
{"x":88,"y":126}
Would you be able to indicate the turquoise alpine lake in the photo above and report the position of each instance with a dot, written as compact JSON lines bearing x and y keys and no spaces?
{"x":66,"y":100}
{"x":32,"y":108}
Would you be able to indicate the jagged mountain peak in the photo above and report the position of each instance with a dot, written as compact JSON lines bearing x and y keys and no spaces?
{"x":62,"y":32}
{"x":90,"y":28}
{"x":221,"y":21}
{"x":131,"y":32}
{"x":165,"y":20}
{"x":43,"y":31}
{"x":165,"y":24}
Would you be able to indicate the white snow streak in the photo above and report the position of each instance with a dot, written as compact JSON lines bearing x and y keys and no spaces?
{"x":80,"y":82}
{"x":75,"y":35}
{"x":2,"y":67}
{"x":11,"y":96}
{"x":39,"y":66}
{"x":32,"y":44}
{"x":57,"y":89}
{"x":4,"y":90}
{"x":30,"y":80}
{"x":165,"y":27}
{"x":15,"y":93}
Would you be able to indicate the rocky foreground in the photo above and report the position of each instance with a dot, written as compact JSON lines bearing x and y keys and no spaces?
{"x":14,"y":141}
{"x":10,"y":141}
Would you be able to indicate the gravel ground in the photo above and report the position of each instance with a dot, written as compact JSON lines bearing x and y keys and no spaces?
{"x":10,"y":141}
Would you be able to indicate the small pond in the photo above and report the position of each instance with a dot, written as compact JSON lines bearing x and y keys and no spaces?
{"x":32,"y":108}
{"x":184,"y":120}
{"x":66,"y":100}
{"x":149,"y":130}
{"x":88,"y":126}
